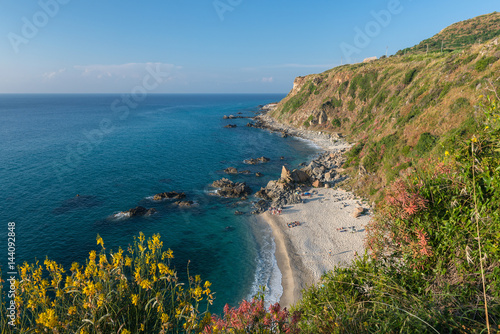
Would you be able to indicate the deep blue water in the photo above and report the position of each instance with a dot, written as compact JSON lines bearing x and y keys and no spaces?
{"x":115,"y":155}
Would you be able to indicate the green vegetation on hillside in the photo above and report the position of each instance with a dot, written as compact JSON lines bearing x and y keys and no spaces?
{"x":434,"y":245}
{"x":460,"y":35}
{"x":402,"y":108}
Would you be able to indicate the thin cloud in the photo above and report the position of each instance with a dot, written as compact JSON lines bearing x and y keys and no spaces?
{"x":291,"y":66}
{"x":122,"y":71}
{"x":52,"y":75}
{"x":270,"y":79}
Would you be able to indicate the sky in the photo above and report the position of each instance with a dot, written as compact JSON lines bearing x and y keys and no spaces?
{"x":204,"y":46}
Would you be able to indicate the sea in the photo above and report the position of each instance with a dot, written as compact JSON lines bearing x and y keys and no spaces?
{"x":69,"y":164}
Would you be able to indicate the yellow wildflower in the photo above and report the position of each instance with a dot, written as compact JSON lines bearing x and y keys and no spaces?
{"x":135,"y":299}
{"x":137,"y":275}
{"x":446,"y":153}
{"x":125,"y":331}
{"x":145,"y":284}
{"x":92,"y":256}
{"x":142,"y":328}
{"x":48,"y":318}
{"x":164,"y":318}
{"x":474,"y":139}
{"x":71,"y":310}
{"x":170,"y":254}
{"x":89,"y":289}
{"x":100,"y":241}
{"x":75,"y":266}
{"x":128,"y":261}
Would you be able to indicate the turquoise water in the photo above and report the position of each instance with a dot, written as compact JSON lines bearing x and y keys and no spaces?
{"x":116,"y":156}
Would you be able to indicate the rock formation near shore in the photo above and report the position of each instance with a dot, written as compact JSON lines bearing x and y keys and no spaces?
{"x":169,"y":195}
{"x":321,"y":172}
{"x":228,"y":188}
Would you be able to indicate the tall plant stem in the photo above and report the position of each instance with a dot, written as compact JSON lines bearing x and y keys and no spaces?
{"x":476,"y":218}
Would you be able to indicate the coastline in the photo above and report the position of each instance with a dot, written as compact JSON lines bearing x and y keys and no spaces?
{"x":306,"y":252}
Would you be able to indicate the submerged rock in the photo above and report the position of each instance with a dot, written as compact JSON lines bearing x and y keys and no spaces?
{"x":169,"y":195}
{"x":185,"y":204}
{"x":256,"y":161}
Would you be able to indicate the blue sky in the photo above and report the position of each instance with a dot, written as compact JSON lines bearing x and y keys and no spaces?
{"x":204,"y":46}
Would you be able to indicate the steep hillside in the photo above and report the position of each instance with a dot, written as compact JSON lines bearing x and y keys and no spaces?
{"x":460,"y":35}
{"x":399,"y":109}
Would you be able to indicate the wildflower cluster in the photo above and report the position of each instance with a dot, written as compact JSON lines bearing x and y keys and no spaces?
{"x":114,"y":292}
{"x":252,"y":317}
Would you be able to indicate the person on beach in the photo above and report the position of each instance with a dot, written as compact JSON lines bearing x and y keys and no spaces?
{"x":330,"y":252}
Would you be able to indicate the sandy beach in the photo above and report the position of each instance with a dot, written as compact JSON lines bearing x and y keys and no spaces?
{"x":328,"y":235}
{"x":307,"y":251}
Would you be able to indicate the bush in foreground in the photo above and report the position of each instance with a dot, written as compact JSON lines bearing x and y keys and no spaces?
{"x":114,"y":292}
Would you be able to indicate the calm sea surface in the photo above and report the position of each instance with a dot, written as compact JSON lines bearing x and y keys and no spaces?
{"x":116,"y":155}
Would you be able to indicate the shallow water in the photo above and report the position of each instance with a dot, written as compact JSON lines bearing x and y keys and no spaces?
{"x":55,"y":147}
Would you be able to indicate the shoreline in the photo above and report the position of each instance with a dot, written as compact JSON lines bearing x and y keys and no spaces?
{"x":306,"y":252}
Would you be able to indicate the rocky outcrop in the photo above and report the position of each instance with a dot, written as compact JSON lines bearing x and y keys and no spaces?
{"x":228,"y":188}
{"x":230,"y":126}
{"x":279,"y":194}
{"x":168,"y":195}
{"x":234,"y":117}
{"x":295,"y":176}
{"x":321,"y":172}
{"x":140,"y":211}
{"x":256,"y":161}
{"x":231,"y":170}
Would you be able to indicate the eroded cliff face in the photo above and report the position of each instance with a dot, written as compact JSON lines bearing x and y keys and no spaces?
{"x":298,"y":83}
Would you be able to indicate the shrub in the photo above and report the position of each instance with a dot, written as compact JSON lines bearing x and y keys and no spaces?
{"x":425,"y":143}
{"x":113,"y":292}
{"x":336,"y":122}
{"x":409,"y":76}
{"x":251,"y":317}
{"x":483,"y":63}
{"x":351,"y":106}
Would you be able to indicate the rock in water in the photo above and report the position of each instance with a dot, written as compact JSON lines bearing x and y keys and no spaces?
{"x":140,"y":211}
{"x":256,"y":161}
{"x":169,"y":195}
{"x":231,"y":170}
{"x":228,"y":188}
{"x":184,"y":204}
